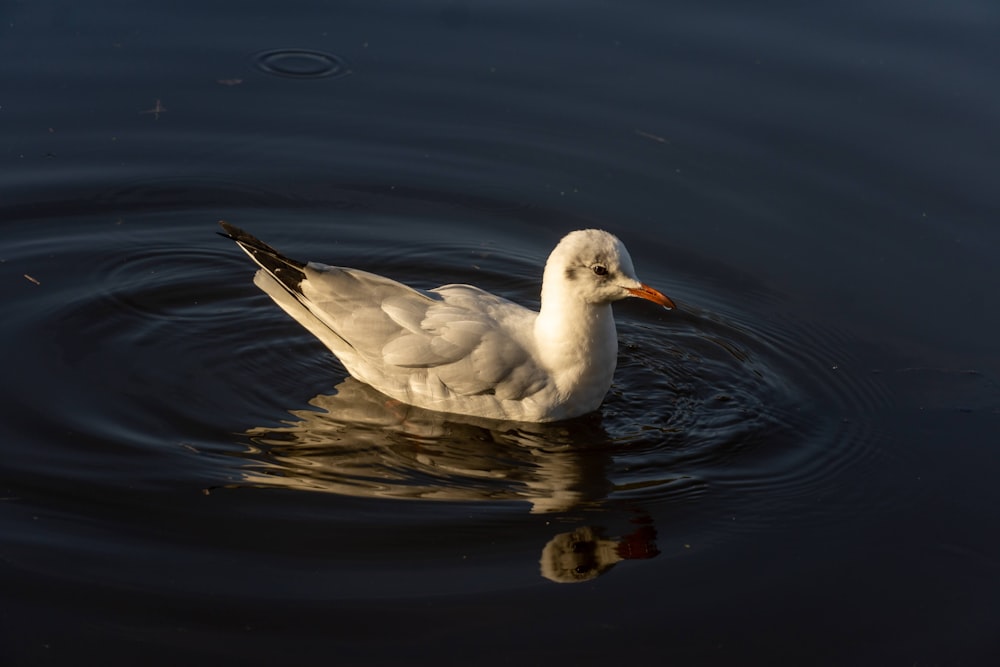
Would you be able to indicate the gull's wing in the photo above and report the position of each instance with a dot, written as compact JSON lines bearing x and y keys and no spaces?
{"x":453,"y":342}
{"x":456,"y":339}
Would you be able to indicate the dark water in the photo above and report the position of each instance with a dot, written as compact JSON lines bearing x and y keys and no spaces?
{"x":797,"y":466}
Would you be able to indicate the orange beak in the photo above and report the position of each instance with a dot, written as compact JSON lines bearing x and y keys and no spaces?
{"x":644,"y":291}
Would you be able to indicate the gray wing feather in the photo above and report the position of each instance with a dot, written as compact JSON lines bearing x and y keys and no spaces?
{"x":456,"y":339}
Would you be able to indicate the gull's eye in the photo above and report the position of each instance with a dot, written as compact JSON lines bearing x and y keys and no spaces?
{"x":600,"y":269}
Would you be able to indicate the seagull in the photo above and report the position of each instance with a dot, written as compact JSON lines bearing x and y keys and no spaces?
{"x":459,"y":349}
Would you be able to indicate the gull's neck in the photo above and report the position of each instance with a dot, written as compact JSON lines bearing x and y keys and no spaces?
{"x":577,"y":342}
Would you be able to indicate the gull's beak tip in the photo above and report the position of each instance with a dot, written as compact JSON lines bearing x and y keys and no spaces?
{"x":644,"y":291}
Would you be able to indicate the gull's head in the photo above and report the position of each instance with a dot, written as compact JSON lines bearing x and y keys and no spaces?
{"x":595,"y":267}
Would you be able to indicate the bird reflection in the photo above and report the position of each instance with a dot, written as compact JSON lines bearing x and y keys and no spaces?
{"x":585,"y":553}
{"x":358,"y":442}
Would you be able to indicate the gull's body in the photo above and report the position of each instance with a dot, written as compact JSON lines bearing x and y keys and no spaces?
{"x":460,"y":349}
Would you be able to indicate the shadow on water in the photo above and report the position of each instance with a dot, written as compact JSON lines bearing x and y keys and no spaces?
{"x":358,"y":442}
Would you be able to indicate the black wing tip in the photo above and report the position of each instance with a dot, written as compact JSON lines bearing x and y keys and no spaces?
{"x":231,"y":232}
{"x":244,"y":238}
{"x":289,"y":272}
{"x":255,"y":247}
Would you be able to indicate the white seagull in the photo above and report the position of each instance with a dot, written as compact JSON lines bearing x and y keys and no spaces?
{"x":460,"y":349}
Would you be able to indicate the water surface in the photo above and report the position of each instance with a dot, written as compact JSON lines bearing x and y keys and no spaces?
{"x":796,"y":465}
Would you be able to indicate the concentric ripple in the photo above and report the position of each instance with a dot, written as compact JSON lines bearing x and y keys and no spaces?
{"x":148,"y":360}
{"x":708,"y":402}
{"x":301,"y":64}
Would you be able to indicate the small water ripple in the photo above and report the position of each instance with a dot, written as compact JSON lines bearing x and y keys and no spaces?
{"x":301,"y":64}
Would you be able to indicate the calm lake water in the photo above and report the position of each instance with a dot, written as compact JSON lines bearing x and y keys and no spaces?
{"x":797,"y":466}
